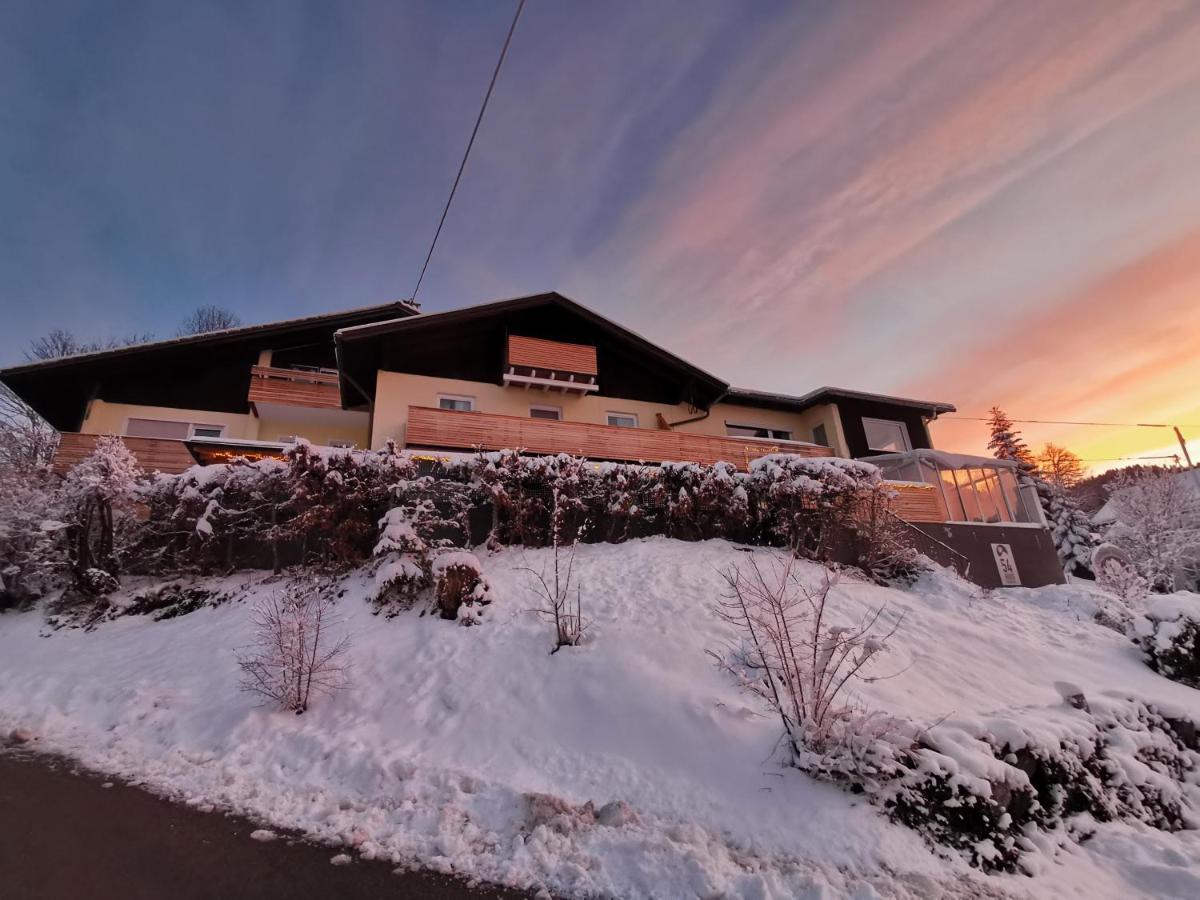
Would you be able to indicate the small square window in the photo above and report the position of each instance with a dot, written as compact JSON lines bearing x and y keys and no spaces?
{"x":546,"y":412}
{"x":886,"y":436}
{"x":207,"y":431}
{"x":455,"y":402}
{"x":623,"y":420}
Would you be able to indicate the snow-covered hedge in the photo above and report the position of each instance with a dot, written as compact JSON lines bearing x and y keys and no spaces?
{"x":994,"y":789}
{"x":1169,"y":634}
{"x":324,"y":507}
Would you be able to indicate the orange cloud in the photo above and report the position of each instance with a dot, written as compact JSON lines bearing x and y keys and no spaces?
{"x":1124,"y":348}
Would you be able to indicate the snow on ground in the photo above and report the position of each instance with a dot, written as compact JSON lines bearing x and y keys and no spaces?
{"x":428,"y":759}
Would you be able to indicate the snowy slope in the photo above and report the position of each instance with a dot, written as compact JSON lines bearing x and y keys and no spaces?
{"x":427,"y":759}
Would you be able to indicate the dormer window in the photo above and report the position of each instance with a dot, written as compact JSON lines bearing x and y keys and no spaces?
{"x":886,"y":435}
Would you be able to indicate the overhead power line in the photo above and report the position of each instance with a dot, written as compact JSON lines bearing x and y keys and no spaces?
{"x":1174,"y":456}
{"x":470,"y":144}
{"x":1065,"y":422}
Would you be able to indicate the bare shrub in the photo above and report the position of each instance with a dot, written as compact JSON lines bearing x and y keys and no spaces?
{"x":881,"y":542}
{"x":292,"y":656}
{"x":554,"y":590}
{"x":790,"y":654}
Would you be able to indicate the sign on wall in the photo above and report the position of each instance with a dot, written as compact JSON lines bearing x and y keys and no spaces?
{"x":1006,"y":565}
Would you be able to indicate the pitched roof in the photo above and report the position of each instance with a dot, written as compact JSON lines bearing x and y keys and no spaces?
{"x":346,"y":337}
{"x":400,"y":308}
{"x":767,"y":400}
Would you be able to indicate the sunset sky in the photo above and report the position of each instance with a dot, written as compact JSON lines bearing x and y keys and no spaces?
{"x":977,"y":202}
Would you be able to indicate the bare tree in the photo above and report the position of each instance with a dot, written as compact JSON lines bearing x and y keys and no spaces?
{"x":790,"y":654}
{"x":208,"y":318}
{"x":1060,"y":467}
{"x":60,"y":342}
{"x":554,"y":591}
{"x":27,"y":441}
{"x":292,"y":657}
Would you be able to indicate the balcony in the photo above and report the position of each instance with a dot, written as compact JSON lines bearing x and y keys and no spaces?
{"x":443,"y":429}
{"x":535,"y":363}
{"x":153,"y":454}
{"x":294,"y":387}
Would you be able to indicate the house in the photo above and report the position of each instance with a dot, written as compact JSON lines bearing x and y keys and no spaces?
{"x":541,"y":373}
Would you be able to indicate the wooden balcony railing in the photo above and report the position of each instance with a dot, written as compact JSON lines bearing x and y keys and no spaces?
{"x":453,"y":430}
{"x":154,"y":454}
{"x":292,"y":387}
{"x":916,"y":502}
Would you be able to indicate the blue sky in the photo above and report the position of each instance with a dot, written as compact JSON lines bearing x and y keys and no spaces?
{"x":976,"y":201}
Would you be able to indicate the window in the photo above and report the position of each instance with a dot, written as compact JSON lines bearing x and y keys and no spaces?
{"x":455,"y":402}
{"x":886,"y":436}
{"x":623,"y":420}
{"x":157,"y":428}
{"x":287,"y":439}
{"x":546,"y":412}
{"x":757,"y":431}
{"x":164,"y":429}
{"x":820,"y":437}
{"x":342,"y":445}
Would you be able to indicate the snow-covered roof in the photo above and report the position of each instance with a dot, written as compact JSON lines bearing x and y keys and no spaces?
{"x":945,"y":460}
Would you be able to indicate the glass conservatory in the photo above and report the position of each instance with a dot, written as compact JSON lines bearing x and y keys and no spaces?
{"x":976,"y":489}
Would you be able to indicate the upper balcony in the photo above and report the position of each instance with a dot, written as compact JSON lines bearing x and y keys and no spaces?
{"x":442,"y":429}
{"x":551,"y":365}
{"x":314,"y":389}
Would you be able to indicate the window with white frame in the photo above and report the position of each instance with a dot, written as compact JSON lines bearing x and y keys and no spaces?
{"x":757,"y":431}
{"x":886,"y":435}
{"x":166,"y":429}
{"x":623,"y":420}
{"x":546,"y":412}
{"x":456,"y":402}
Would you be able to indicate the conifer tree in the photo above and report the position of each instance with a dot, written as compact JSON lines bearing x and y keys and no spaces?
{"x":1068,"y":524}
{"x":1006,"y":443}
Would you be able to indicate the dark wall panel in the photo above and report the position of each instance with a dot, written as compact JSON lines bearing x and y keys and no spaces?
{"x":853,"y":411}
{"x":1033,"y":549}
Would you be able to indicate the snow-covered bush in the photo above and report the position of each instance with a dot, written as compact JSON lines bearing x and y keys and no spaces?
{"x":1168,"y":632}
{"x":405,"y":570}
{"x":807,"y":502}
{"x":792,"y":651}
{"x":1157,"y":524}
{"x":97,"y":497}
{"x":459,"y":586}
{"x":338,"y":497}
{"x":1118,"y":576}
{"x":31,"y":550}
{"x":994,"y":790}
{"x":294,"y":654}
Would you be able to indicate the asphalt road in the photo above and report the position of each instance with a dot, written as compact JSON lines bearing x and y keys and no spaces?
{"x":63,"y":835}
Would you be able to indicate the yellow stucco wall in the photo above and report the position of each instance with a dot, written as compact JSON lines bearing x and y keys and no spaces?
{"x":110,"y":418}
{"x":350,"y":427}
{"x":395,"y":392}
